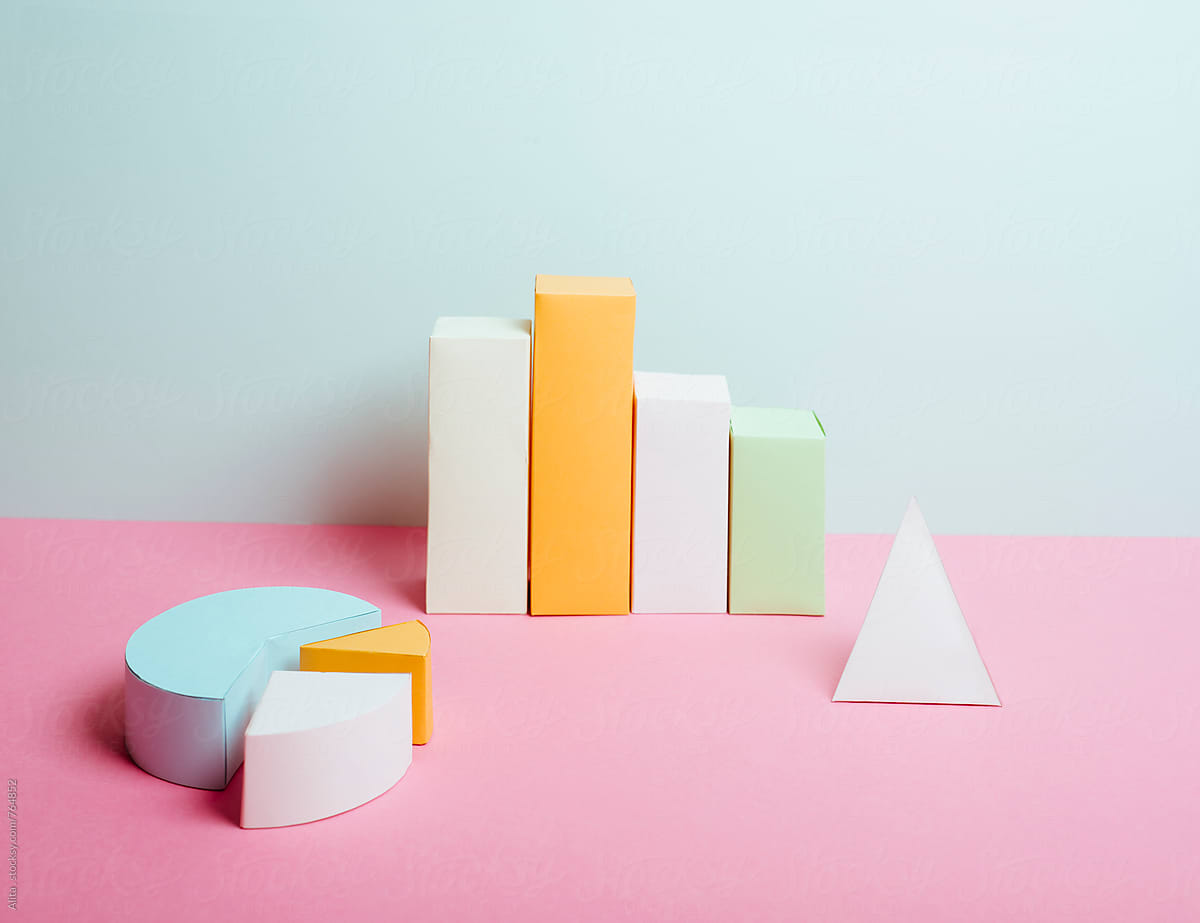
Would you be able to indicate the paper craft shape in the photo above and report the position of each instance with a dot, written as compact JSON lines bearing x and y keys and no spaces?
{"x":681,"y":492}
{"x":776,"y":512}
{"x":478,"y":538}
{"x":400,"y":648}
{"x":581,"y":450}
{"x":323,"y":743}
{"x":194,"y":673}
{"x":914,"y":645}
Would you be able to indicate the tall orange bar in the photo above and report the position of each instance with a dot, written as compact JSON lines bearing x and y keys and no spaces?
{"x":581,"y":452}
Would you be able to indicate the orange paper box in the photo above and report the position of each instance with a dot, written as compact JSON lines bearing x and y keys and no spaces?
{"x":581,"y":446}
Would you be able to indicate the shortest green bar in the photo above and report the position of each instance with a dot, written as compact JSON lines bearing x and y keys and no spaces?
{"x":776,"y":512}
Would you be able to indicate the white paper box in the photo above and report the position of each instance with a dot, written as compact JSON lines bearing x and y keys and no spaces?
{"x":681,"y":492}
{"x":478,"y":465}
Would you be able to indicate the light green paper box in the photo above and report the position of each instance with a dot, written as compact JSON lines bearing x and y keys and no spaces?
{"x":776,"y":512}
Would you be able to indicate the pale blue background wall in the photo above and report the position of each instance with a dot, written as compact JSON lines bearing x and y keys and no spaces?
{"x":967,"y":233}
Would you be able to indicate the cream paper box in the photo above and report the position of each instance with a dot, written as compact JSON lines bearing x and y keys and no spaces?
{"x":776,"y":512}
{"x":478,"y":465}
{"x":680,"y":492}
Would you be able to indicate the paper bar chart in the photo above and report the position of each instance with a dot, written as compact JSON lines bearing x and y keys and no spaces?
{"x":581,"y":449}
{"x":561,"y":482}
{"x":776,"y":512}
{"x":478,"y":465}
{"x":680,"y":483}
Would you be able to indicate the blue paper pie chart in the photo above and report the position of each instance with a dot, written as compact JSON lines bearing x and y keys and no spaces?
{"x":194,"y":674}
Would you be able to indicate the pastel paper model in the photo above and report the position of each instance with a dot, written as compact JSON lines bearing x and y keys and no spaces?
{"x":681,"y":492}
{"x":581,"y":452}
{"x":194,"y":673}
{"x":914,"y":645}
{"x":478,"y":535}
{"x":400,"y":648}
{"x":776,"y":512}
{"x":323,"y":743}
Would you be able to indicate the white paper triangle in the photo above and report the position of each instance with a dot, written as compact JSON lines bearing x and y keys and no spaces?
{"x":914,"y":645}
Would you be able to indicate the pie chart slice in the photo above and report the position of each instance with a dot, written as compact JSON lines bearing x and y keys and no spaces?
{"x":323,"y":743}
{"x":194,"y":673}
{"x":400,"y":648}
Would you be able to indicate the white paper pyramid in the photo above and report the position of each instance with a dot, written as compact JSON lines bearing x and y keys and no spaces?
{"x":914,"y":645}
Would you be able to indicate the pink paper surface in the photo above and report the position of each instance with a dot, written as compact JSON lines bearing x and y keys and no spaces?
{"x":688,"y":768}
